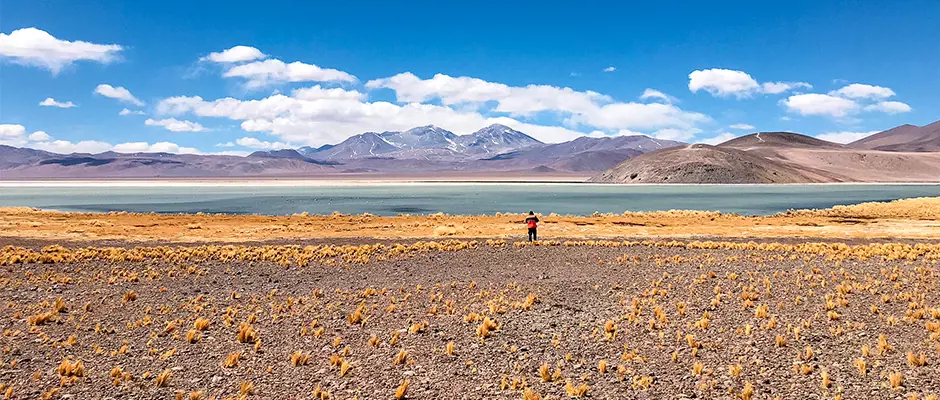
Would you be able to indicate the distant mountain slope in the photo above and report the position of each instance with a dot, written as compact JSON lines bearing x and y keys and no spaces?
{"x":424,"y":150}
{"x":153,"y":165}
{"x":368,"y":144}
{"x":496,"y":139}
{"x":307,"y":151}
{"x":14,"y":156}
{"x":491,"y":140}
{"x":774,"y":157}
{"x":700,"y":163}
{"x":779,"y":139}
{"x":903,"y":138}
{"x":584,"y":153}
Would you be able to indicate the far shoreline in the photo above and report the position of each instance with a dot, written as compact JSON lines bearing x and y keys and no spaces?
{"x":392,"y":181}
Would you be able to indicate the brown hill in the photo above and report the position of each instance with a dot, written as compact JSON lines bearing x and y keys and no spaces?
{"x":903,"y":138}
{"x":778,"y":139}
{"x":775,"y":158}
{"x":699,"y":163}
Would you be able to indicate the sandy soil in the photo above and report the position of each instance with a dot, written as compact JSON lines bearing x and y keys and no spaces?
{"x":669,"y":320}
{"x":912,"y":218}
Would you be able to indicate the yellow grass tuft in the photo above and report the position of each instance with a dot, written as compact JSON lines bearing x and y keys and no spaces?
{"x":344,"y":368}
{"x":734,"y":369}
{"x":487,"y":326}
{"x":861,"y":366}
{"x":231,"y":361}
{"x":895,"y":380}
{"x":762,"y":311}
{"x":883,"y":346}
{"x":401,"y":358}
{"x":697,"y":368}
{"x":807,"y":369}
{"x":246,"y":388}
{"x":163,"y":380}
{"x":449,"y":349}
{"x":358,"y":317}
{"x":128,"y":297}
{"x":748,"y":392}
{"x":915,"y":360}
{"x":192,"y":336}
{"x":402,"y":391}
{"x":69,"y":368}
{"x":576,"y":391}
{"x":246,"y":333}
{"x":299,"y":358}
{"x":602,"y":366}
{"x":529,"y":394}
{"x":201,"y":324}
{"x":545,"y":373}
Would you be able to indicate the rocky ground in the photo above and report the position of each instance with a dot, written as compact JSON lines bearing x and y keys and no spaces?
{"x":655,"y":320}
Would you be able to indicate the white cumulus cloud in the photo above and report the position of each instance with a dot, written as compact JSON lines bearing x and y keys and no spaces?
{"x":119,"y":93}
{"x":610,"y":69}
{"x":743,"y":127}
{"x":319,"y":93}
{"x":721,"y":82}
{"x":254,"y":143}
{"x":890,"y":107}
{"x":270,"y":72}
{"x":848,"y":100}
{"x":36,"y":47}
{"x":235,"y":54}
{"x":131,"y":112}
{"x":522,"y":100}
{"x":175,"y":125}
{"x":315,"y":115}
{"x":159,"y":147}
{"x":10,"y":131}
{"x":820,"y":104}
{"x":780,"y":87}
{"x":50,"y":102}
{"x":863,"y":91}
{"x":39,"y":136}
{"x":15,"y":135}
{"x":719,"y":138}
{"x":844,"y":137}
{"x":656,"y":94}
{"x":67,"y":147}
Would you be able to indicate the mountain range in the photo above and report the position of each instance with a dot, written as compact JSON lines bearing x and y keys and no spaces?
{"x":425,"y":150}
{"x":904,"y":154}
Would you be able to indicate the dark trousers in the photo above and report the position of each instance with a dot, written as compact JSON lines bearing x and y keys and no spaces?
{"x":533,"y":234}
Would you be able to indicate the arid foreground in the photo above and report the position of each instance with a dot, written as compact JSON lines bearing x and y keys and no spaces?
{"x":474,"y":320}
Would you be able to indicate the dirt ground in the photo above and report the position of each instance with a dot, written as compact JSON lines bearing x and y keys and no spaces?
{"x":617,"y":320}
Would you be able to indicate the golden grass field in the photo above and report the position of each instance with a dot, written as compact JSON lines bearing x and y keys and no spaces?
{"x":910,"y":218}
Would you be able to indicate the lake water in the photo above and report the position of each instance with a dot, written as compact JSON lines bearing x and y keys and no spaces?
{"x":427,"y":198}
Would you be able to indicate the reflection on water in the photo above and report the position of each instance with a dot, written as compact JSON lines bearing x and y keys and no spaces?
{"x":395,"y":199}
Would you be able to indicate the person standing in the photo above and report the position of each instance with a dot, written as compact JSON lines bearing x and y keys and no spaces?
{"x":532,"y":222}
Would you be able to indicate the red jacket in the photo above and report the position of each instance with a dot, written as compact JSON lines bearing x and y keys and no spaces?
{"x":532,"y":222}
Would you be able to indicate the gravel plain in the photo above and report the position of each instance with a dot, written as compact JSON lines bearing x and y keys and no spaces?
{"x":654,"y":320}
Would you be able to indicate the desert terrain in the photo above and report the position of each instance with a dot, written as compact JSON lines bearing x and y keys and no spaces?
{"x":834,"y":303}
{"x":776,"y":157}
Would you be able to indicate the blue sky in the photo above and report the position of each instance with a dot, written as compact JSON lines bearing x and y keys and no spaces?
{"x":315,"y":73}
